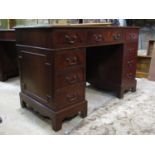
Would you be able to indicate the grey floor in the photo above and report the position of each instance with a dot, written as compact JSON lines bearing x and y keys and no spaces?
{"x":135,"y":114}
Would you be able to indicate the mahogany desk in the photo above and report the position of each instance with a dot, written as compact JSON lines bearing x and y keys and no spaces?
{"x":56,"y":61}
{"x":8,"y":54}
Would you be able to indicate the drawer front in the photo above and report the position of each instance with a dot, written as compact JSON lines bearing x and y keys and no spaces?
{"x":69,"y":96}
{"x":100,"y":36}
{"x":130,"y":76}
{"x":131,"y":35}
{"x":95,"y":36}
{"x":130,"y":61}
{"x":70,"y":78}
{"x":131,"y":64}
{"x":68,"y":38}
{"x":131,"y":51}
{"x":69,"y":58}
{"x":114,"y":36}
{"x":130,"y":71}
{"x":130,"y":57}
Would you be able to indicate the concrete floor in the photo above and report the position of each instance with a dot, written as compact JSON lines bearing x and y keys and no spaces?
{"x":135,"y":114}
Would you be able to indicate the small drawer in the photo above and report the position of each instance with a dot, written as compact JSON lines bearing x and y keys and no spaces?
{"x":107,"y":36}
{"x":131,"y":50}
{"x":130,"y":72}
{"x":70,"y":78}
{"x":113,"y":36}
{"x":95,"y":37}
{"x":130,"y":76}
{"x":69,"y":95}
{"x":130,"y":66}
{"x":69,"y":58}
{"x":68,"y":38}
{"x":131,"y":63}
{"x":131,"y":36}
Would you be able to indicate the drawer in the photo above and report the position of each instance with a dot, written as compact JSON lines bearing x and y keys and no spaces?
{"x":68,"y":38}
{"x":100,"y":36}
{"x":95,"y":36}
{"x":69,"y":58}
{"x":70,"y":78}
{"x":131,"y":63}
{"x":131,"y":35}
{"x":130,"y":76}
{"x":69,"y":95}
{"x":114,"y":36}
{"x":130,"y":70}
{"x":131,"y":50}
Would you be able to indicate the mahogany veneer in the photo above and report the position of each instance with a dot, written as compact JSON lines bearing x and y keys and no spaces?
{"x":56,"y":61}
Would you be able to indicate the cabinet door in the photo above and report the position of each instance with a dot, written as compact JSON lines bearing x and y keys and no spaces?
{"x":35,"y":74}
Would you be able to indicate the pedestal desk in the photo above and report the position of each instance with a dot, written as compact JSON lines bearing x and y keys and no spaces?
{"x":8,"y":54}
{"x":56,"y":61}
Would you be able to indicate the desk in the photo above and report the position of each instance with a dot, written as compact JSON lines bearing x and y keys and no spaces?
{"x":8,"y":54}
{"x":56,"y":61}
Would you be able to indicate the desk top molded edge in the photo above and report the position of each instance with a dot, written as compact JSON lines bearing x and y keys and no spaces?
{"x":85,"y":26}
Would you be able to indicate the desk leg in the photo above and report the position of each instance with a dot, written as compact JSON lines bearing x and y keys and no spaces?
{"x":56,"y":123}
{"x":120,"y":93}
{"x":22,"y":103}
{"x":0,"y":120}
{"x":83,"y":113}
{"x":3,"y":78}
{"x":133,"y":89}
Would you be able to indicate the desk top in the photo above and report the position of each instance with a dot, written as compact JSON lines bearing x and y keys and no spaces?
{"x":75,"y":35}
{"x":102,"y":25}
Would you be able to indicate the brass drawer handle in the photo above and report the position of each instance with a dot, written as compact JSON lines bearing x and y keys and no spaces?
{"x":71,"y":79}
{"x":132,"y":36}
{"x":130,"y":62}
{"x":20,"y":57}
{"x":98,"y":37}
{"x":130,"y":49}
{"x":117,"y":36}
{"x":71,"y":39}
{"x":129,"y":75}
{"x":72,"y":61}
{"x":72,"y":97}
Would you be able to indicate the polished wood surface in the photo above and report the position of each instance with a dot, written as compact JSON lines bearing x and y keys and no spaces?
{"x":8,"y":55}
{"x":56,"y":61}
